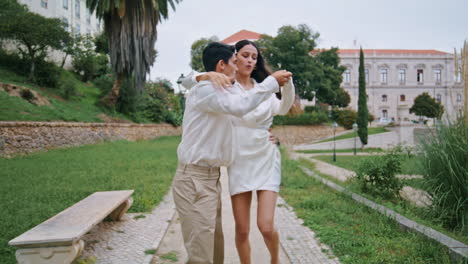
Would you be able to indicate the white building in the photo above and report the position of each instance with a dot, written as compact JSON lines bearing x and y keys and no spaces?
{"x":73,"y":12}
{"x":394,"y":78}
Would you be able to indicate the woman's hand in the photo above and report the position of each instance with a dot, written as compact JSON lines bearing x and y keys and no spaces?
{"x":219,"y":80}
{"x":282,"y":76}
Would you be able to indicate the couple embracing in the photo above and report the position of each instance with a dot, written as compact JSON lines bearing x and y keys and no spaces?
{"x":228,"y":113}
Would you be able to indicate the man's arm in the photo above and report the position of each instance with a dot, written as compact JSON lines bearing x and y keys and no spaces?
{"x":212,"y":100}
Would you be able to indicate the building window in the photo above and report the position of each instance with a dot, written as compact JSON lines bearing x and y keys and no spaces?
{"x":459,"y":97}
{"x":439,"y":98}
{"x":66,"y":25}
{"x":420,"y":76}
{"x":88,"y":16}
{"x":347,"y":76}
{"x":402,"y":98}
{"x":77,"y":29}
{"x":384,"y":98}
{"x":438,"y":75}
{"x":65,"y":4}
{"x":384,"y":114}
{"x":383,"y":75}
{"x":44,"y":3}
{"x":77,"y":8}
{"x":458,"y":77}
{"x":402,"y":76}
{"x":366,"y":71}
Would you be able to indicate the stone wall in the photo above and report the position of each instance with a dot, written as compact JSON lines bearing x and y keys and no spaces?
{"x":26,"y":137}
{"x":294,"y":135}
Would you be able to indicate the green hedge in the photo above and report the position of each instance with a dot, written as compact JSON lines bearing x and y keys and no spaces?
{"x":314,"y":118}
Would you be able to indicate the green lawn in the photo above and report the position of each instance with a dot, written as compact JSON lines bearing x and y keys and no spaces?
{"x":409,"y":165}
{"x":36,"y":187}
{"x":81,"y":108}
{"x":355,"y":233}
{"x":366,"y":150}
{"x":371,"y":131}
{"x":401,"y":206}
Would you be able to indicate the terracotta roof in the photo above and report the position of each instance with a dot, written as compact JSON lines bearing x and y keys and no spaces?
{"x":390,"y":51}
{"x":243,"y":34}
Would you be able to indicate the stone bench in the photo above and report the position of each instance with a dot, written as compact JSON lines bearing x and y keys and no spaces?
{"x":58,"y":239}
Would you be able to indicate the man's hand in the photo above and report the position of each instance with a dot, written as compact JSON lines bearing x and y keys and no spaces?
{"x":282,"y":76}
{"x":273,"y":138}
{"x":219,"y":80}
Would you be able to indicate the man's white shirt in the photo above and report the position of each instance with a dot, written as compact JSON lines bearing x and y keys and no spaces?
{"x":207,"y":131}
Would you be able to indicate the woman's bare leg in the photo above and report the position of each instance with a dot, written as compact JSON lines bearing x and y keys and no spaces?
{"x":266,"y":222}
{"x":241,"y":209}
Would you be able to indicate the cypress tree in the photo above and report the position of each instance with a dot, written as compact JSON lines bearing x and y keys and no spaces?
{"x":363,"y":113}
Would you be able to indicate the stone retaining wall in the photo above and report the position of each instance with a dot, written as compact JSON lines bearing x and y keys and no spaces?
{"x":26,"y":137}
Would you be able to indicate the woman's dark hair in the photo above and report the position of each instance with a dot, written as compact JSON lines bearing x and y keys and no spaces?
{"x":214,"y":52}
{"x":261,"y":70}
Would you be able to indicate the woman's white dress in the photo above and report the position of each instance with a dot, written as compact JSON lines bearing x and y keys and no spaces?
{"x":257,"y":165}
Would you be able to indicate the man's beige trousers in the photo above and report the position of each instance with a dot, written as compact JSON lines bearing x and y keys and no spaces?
{"x":197,"y":196}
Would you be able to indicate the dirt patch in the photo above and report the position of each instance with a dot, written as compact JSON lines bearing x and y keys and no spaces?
{"x":25,"y":93}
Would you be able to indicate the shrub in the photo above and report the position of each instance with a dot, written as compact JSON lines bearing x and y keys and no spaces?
{"x":68,"y":84}
{"x":90,"y":66}
{"x":104,"y":83}
{"x":303,"y":119}
{"x":377,"y":174}
{"x":46,"y":74}
{"x":345,"y":117}
{"x":445,"y":168}
{"x":26,"y":94}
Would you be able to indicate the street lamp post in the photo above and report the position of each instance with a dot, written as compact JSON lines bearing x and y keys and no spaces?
{"x":355,"y":136}
{"x":335,"y":125}
{"x":181,"y":92}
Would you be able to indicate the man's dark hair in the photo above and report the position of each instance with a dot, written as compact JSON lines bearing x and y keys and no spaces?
{"x":214,"y":52}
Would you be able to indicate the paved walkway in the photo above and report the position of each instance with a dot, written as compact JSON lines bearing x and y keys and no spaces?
{"x":298,"y":243}
{"x":136,"y":238}
{"x":398,"y":135}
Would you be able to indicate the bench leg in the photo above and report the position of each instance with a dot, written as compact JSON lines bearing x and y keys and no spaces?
{"x":49,"y":255}
{"x":117,"y":214}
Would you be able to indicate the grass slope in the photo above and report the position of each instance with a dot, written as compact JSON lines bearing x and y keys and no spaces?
{"x":81,"y":108}
{"x":371,"y":131}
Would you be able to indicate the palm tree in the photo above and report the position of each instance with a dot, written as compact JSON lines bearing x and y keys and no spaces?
{"x":130,"y":26}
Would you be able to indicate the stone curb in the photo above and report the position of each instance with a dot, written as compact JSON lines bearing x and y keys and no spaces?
{"x":458,"y":250}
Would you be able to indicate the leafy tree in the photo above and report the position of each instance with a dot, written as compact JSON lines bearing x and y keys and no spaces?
{"x":314,"y":75}
{"x":101,"y":42}
{"x":363,"y":112}
{"x":197,"y":53}
{"x":342,"y":98}
{"x":131,"y":28}
{"x":33,"y":33}
{"x":425,"y":105}
{"x":86,"y":62}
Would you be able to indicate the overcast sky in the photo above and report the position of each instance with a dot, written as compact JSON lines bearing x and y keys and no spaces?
{"x":374,"y":24}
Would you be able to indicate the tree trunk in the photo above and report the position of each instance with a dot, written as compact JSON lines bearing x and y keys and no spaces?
{"x":110,"y":99}
{"x":32,"y":69}
{"x":64,"y":60}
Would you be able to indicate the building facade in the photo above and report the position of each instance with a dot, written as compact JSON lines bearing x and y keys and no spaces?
{"x":73,"y":13}
{"x":394,"y":78}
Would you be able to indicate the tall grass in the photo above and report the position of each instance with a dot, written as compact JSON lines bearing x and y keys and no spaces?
{"x":445,"y":166}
